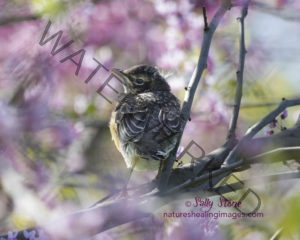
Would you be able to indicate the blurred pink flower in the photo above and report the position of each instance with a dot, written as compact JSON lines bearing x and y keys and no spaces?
{"x":269,"y":132}
{"x":9,"y":124}
{"x":284,"y":114}
{"x":58,"y":134}
{"x":194,"y":229}
{"x":273,"y":124}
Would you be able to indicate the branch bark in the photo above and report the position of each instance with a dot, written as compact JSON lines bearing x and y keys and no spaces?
{"x":191,"y":89}
{"x":233,"y":156}
{"x":17,"y":19}
{"x":246,"y":149}
{"x":239,"y":77}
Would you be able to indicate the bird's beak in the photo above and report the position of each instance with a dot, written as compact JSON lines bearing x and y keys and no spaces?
{"x":122,"y":76}
{"x":119,"y":73}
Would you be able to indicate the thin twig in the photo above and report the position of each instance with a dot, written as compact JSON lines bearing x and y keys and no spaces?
{"x":277,"y":234}
{"x":276,"y":155}
{"x":255,"y":105}
{"x":268,"y":178}
{"x":239,"y":77}
{"x":205,"y":19}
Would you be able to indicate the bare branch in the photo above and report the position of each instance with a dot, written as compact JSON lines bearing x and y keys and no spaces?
{"x":239,"y":77}
{"x":271,"y":116}
{"x":256,"y":105}
{"x":276,"y":155}
{"x":202,"y":63}
{"x":233,"y":156}
{"x":247,"y":150}
{"x":205,"y":19}
{"x":277,"y":234}
{"x":191,"y":89}
{"x":287,"y":138}
{"x":268,"y":178}
{"x":297,"y":125}
{"x":16,"y":19}
{"x":216,"y":158}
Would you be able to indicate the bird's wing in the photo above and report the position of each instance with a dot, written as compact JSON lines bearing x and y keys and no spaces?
{"x":131,"y":119}
{"x":170,"y":118}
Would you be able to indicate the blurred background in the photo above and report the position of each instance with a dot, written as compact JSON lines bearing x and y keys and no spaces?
{"x":56,"y":152}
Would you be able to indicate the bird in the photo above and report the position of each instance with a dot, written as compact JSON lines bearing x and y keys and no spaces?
{"x":146,"y":120}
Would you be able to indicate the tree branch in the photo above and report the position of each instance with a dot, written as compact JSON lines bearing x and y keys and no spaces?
{"x":268,"y":178}
{"x":191,"y":89}
{"x":233,"y":156}
{"x":16,"y":19}
{"x":288,"y":138}
{"x":245,"y":149}
{"x":276,"y":155}
{"x":239,"y":77}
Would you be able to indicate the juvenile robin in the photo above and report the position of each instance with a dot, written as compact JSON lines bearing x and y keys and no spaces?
{"x":146,"y":121}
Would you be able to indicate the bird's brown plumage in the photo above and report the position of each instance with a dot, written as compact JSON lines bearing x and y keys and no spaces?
{"x":146,"y":121}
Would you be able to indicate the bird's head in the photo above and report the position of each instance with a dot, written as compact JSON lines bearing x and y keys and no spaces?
{"x":141,"y":78}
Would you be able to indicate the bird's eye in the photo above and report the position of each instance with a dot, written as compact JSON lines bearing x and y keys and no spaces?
{"x":139,"y":81}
